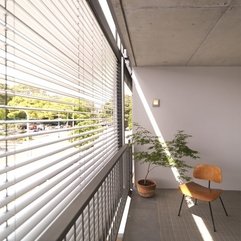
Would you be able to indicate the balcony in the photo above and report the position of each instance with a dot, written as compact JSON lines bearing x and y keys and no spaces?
{"x":156,"y":219}
{"x":97,"y":212}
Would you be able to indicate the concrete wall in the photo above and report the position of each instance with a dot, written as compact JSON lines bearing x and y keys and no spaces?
{"x":203,"y":101}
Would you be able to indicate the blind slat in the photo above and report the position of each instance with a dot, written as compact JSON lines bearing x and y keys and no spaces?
{"x":60,"y":192}
{"x":58,"y":114}
{"x":44,"y":166}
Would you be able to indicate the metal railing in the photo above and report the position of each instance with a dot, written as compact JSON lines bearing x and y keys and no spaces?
{"x":97,"y":212}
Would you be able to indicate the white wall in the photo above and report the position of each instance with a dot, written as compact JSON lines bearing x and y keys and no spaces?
{"x":203,"y":101}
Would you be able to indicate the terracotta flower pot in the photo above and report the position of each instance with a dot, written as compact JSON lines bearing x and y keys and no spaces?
{"x":146,"y":189}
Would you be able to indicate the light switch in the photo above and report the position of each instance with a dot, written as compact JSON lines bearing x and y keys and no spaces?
{"x":156,"y":102}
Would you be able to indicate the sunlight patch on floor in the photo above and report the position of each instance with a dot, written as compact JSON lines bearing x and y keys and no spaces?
{"x":202,"y":228}
{"x":124,"y":219}
{"x":189,"y":202}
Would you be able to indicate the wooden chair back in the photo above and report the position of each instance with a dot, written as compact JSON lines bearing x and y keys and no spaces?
{"x":208,"y":172}
{"x":199,"y":192}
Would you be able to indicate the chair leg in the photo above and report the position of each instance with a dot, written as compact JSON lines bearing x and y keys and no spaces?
{"x":179,"y":212}
{"x":223,"y":206}
{"x":209,"y":203}
{"x":195,"y":201}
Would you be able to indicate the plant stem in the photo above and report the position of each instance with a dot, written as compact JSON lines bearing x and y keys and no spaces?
{"x":148,"y":170}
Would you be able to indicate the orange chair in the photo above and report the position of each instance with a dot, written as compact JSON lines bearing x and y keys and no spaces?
{"x":199,"y":192}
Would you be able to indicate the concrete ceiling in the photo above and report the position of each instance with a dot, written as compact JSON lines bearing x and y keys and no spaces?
{"x":180,"y":32}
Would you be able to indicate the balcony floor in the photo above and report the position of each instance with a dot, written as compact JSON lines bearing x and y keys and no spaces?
{"x":155,"y":219}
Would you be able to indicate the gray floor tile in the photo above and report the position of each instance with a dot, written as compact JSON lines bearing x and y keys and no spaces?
{"x":155,"y":219}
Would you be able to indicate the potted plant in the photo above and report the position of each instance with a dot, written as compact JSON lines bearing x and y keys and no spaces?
{"x":151,"y":150}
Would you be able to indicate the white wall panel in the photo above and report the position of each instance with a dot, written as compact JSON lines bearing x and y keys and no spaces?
{"x":203,"y":101}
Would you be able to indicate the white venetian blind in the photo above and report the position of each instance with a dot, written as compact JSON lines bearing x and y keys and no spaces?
{"x":58,"y":118}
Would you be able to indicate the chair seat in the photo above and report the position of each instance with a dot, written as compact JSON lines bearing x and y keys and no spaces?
{"x":199,"y":192}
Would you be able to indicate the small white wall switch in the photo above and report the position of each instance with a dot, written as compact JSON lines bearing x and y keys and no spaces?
{"x":156,"y":102}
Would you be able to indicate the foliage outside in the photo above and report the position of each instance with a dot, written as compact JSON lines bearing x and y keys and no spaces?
{"x":128,"y":112}
{"x":36,"y":105}
{"x":167,"y":154}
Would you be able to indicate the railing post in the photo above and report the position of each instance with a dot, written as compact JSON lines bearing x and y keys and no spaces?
{"x":130,"y":171}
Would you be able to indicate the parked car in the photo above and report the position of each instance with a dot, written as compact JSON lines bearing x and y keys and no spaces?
{"x":40,"y":127}
{"x":33,"y":126}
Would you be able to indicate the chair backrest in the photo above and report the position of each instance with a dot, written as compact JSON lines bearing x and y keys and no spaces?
{"x":208,"y":172}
